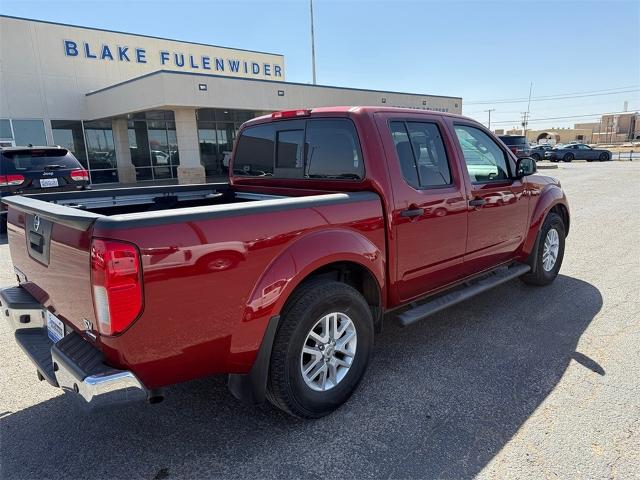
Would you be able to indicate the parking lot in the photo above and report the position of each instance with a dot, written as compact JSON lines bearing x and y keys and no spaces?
{"x":520,"y":382}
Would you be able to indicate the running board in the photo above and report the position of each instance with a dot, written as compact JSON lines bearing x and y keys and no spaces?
{"x":495,"y":278}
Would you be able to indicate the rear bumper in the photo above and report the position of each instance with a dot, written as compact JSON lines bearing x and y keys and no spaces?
{"x":72,"y":363}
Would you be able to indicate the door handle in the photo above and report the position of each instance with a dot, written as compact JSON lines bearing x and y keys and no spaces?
{"x":477,"y":202}
{"x":412,"y":212}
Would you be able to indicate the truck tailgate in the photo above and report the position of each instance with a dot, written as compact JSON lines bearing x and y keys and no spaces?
{"x":49,"y":247}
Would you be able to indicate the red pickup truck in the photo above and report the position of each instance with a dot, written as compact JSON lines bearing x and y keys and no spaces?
{"x":333,"y":220}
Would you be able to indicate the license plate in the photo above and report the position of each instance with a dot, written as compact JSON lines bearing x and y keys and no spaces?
{"x":55,"y":327}
{"x":48,"y":182}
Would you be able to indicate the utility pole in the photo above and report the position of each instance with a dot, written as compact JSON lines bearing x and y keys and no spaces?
{"x":489,"y":111}
{"x":313,"y":45}
{"x":525,"y":122}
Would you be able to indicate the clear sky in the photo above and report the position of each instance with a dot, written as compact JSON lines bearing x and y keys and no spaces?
{"x":481,"y":51}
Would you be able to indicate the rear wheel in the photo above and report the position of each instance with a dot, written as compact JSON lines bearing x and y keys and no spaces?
{"x":535,"y":156}
{"x":568,"y":157}
{"x":548,"y":258}
{"x":604,"y":156}
{"x":321,"y":350}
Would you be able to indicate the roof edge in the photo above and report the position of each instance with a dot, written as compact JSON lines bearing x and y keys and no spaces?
{"x":275,"y":82}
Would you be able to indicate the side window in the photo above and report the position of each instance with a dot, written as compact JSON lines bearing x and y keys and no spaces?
{"x":333,"y":150}
{"x":485,"y":160}
{"x":421,"y":153}
{"x":254,"y":156}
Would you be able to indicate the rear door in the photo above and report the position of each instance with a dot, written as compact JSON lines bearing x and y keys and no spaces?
{"x":498,"y":204}
{"x":429,"y":218}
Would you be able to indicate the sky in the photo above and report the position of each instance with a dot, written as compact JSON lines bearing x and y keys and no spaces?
{"x":488,"y":53}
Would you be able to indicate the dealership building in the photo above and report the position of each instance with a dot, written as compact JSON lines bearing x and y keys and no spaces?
{"x":136,"y":108}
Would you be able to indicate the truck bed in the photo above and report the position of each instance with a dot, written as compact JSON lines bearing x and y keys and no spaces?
{"x":194,"y":241}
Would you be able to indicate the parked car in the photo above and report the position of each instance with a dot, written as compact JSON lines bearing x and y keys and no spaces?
{"x":577,"y":151}
{"x":537,"y":152}
{"x":518,"y":144}
{"x":36,"y":169}
{"x":361,"y":215}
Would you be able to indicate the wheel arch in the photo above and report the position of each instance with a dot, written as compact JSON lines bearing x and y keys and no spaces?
{"x":553,"y":200}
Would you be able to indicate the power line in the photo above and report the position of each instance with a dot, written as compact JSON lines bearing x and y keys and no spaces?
{"x":565,"y":117}
{"x":556,"y":97}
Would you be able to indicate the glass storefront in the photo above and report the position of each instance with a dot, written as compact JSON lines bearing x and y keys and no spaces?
{"x":154,"y":146}
{"x":29,"y":132}
{"x":68,"y":134}
{"x":216,"y":133}
{"x":101,"y":152}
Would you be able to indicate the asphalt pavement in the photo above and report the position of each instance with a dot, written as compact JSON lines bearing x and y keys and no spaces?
{"x":522,"y":382}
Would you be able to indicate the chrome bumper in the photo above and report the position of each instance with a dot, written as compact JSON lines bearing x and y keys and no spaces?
{"x":72,"y":363}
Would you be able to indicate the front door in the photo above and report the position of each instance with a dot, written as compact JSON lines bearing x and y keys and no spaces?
{"x":429,"y":218}
{"x":498,"y":204}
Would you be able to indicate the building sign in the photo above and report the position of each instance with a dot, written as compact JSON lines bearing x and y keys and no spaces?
{"x":174,"y":60}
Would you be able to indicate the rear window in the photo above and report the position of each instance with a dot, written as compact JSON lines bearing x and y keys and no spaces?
{"x":36,"y":160}
{"x":514,"y":140}
{"x":315,"y":148}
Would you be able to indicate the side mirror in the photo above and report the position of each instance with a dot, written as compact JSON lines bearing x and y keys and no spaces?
{"x":525,"y":166}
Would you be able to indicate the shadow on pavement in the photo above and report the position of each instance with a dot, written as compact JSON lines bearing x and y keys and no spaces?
{"x":441,"y":398}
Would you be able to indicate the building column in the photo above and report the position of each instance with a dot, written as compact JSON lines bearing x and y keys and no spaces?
{"x":190,"y":169}
{"x":126,"y":169}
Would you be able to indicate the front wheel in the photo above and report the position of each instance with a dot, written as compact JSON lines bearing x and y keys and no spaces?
{"x":549,"y":254}
{"x":568,"y":157}
{"x":321,"y":349}
{"x":604,"y":156}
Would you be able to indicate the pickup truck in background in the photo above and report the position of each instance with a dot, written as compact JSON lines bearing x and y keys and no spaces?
{"x":333,"y":221}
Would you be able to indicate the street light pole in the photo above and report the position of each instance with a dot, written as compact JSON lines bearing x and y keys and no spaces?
{"x":313,"y":45}
{"x":490,"y":110}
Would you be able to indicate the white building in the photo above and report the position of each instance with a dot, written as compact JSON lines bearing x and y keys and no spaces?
{"x":134,"y":107}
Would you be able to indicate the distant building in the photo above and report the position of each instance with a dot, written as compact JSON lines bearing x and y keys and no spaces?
{"x":613,"y":128}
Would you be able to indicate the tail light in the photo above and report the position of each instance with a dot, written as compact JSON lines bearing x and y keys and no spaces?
{"x":291,"y":113}
{"x":80,"y":175}
{"x":8,"y":180}
{"x":116,"y":281}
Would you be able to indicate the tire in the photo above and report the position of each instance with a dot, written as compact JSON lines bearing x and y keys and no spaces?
{"x":287,"y":388}
{"x":3,"y":224}
{"x":536,"y":157}
{"x":541,"y":274}
{"x":604,"y":157}
{"x":568,"y":157}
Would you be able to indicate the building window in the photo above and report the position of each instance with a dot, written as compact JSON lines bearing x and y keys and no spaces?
{"x":68,"y":134}
{"x":101,"y":152}
{"x":217,"y":130}
{"x":6,"y":135}
{"x":153,"y":145}
{"x":29,"y":132}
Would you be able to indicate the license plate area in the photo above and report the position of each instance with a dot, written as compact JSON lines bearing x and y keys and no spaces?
{"x":55,"y":327}
{"x":48,"y":182}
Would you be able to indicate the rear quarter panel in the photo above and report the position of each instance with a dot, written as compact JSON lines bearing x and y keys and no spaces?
{"x":211,"y":285}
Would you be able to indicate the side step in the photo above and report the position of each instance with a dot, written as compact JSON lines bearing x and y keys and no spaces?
{"x":495,"y":278}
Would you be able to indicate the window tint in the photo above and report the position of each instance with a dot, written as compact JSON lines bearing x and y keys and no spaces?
{"x":421,"y":152}
{"x":290,"y":149}
{"x":328,"y":148}
{"x":484,"y":158}
{"x":333,"y":150}
{"x":254,"y":156}
{"x":36,"y":160}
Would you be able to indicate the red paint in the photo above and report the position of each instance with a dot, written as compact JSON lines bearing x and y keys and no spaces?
{"x":210,"y":286}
